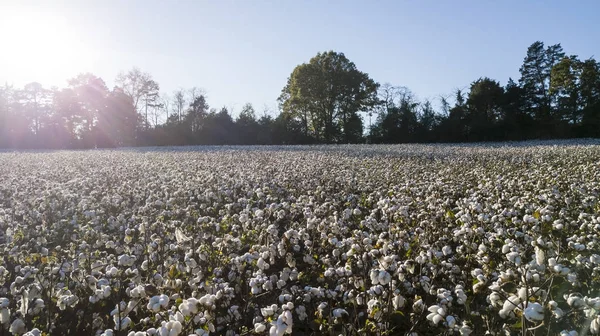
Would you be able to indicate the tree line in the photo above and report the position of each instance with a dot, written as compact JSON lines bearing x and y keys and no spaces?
{"x":326,"y":100}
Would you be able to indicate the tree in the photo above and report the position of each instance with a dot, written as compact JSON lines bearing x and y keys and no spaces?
{"x":89,"y":93}
{"x":564,"y":85}
{"x":589,"y":85}
{"x":454,"y":128}
{"x":398,"y":122}
{"x":516,"y":123}
{"x":196,"y":115}
{"x":135,"y":83}
{"x":247,"y":126}
{"x":151,"y":99}
{"x":117,"y":126}
{"x":535,"y":80}
{"x":179,"y":102}
{"x":484,"y":109}
{"x":326,"y":94}
{"x":428,"y":121}
{"x":13,"y":125}
{"x":220,"y":128}
{"x":35,"y":100}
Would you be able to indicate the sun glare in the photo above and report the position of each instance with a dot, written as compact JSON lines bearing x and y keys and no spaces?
{"x":40,"y":47}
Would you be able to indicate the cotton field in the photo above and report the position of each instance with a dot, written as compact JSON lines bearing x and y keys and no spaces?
{"x":324,"y":240}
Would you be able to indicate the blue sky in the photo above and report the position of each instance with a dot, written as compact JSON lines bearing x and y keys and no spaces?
{"x":243,"y":51}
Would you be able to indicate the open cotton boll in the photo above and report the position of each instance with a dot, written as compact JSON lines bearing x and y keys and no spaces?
{"x":339,"y":312}
{"x":4,"y":315}
{"x":595,"y":326}
{"x":540,"y":256}
{"x":447,"y":250}
{"x":436,"y":314}
{"x":450,"y":321}
{"x":259,"y":327}
{"x":534,"y":312}
{"x":33,"y":332}
{"x":17,"y":327}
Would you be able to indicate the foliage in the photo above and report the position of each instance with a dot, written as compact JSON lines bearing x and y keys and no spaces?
{"x":325,"y":100}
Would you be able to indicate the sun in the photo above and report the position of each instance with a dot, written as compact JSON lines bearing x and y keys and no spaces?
{"x":40,"y":47}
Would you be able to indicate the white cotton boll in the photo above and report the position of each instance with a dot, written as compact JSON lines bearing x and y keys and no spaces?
{"x":504,"y":313}
{"x":558,"y":313}
{"x":17,"y":327}
{"x":418,"y":305}
{"x":163,"y":300}
{"x":465,"y":329}
{"x":447,"y":250}
{"x":374,"y":275}
{"x":398,"y":301}
{"x":437,"y":319}
{"x":522,"y":293}
{"x":4,"y":315}
{"x":450,"y":321}
{"x":339,"y":312}
{"x":511,"y":303}
{"x":551,"y":262}
{"x":267,"y":311}
{"x":575,"y":301}
{"x":259,"y":327}
{"x":514,"y":258}
{"x":540,"y":256}
{"x":595,"y":326}
{"x":434,"y":308}
{"x":384,"y":278}
{"x":534,"y":312}
{"x":33,"y":332}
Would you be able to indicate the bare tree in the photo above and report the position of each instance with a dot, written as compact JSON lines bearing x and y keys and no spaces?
{"x":165,"y":100}
{"x":151,"y":98}
{"x":139,"y":86}
{"x":195,"y":92}
{"x":179,"y":102}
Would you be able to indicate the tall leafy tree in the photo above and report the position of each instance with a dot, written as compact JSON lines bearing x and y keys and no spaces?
{"x":151,"y":99}
{"x":119,"y":122}
{"x":428,"y":121}
{"x":455,"y":127}
{"x":564,"y":85}
{"x":326,"y":93}
{"x":589,"y":85}
{"x":90,"y":93}
{"x":247,"y":125}
{"x":35,"y":100}
{"x":535,"y":79}
{"x":516,"y":123}
{"x":484,"y":109}
{"x":196,"y":115}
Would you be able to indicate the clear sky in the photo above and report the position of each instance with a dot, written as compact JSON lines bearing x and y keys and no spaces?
{"x":243,"y":51}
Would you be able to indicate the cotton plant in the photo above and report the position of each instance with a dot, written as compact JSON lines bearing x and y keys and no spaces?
{"x":363,"y":239}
